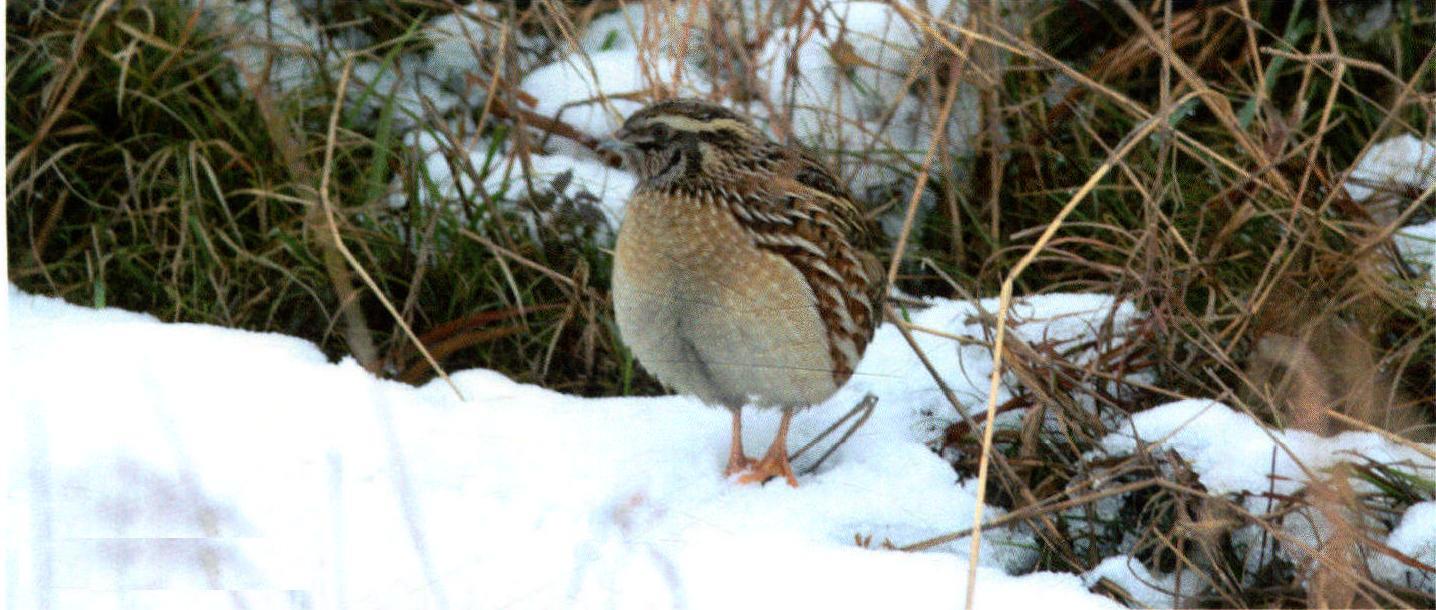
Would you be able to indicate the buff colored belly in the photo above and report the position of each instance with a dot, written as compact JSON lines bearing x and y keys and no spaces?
{"x":711,"y":315}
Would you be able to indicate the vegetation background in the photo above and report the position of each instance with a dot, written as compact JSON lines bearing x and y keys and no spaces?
{"x":146,"y":171}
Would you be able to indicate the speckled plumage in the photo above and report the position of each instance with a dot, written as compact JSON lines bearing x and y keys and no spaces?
{"x":742,"y":272}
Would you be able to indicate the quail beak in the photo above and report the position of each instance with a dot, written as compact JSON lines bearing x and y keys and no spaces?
{"x":613,"y":144}
{"x":613,"y":148}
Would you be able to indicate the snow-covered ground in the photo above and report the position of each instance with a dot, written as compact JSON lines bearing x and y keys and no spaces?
{"x":188,"y":466}
{"x":1235,"y":455}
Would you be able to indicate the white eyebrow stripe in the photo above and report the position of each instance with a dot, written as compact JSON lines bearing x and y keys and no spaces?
{"x":683,"y":123}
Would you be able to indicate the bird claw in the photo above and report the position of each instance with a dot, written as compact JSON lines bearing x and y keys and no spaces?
{"x":767,"y":469}
{"x":739,"y":465}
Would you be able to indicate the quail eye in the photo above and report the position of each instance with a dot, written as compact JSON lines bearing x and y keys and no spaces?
{"x":661,"y":131}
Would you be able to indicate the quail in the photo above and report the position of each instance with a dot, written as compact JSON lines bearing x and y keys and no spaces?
{"x":743,"y":271}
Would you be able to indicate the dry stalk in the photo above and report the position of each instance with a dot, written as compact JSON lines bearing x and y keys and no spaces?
{"x":937,"y":138}
{"x":357,"y":334}
{"x":1005,"y":303}
{"x":325,"y":173}
{"x":1028,"y":512}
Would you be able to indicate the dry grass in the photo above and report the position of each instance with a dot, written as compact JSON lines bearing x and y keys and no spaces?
{"x":141,"y":178}
{"x":1185,"y":159}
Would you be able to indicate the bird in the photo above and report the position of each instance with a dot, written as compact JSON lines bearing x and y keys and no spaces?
{"x":744,"y":271}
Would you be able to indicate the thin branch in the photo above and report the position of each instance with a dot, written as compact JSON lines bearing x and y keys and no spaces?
{"x":325,"y":173}
{"x":1004,"y":304}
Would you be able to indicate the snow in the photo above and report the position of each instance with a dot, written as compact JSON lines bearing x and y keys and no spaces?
{"x":502,"y":173}
{"x":616,"y":30}
{"x":457,"y":40}
{"x":274,"y":39}
{"x":1415,"y":536}
{"x":594,"y":88}
{"x":1147,"y":589}
{"x":1232,"y":453}
{"x":610,"y":187}
{"x":581,"y":90}
{"x":847,"y":82}
{"x":614,"y":64}
{"x":1403,"y":161}
{"x":836,"y":104}
{"x":176,"y":465}
{"x":273,"y":43}
{"x":161,"y":463}
{"x":891,"y":368}
{"x":636,"y":25}
{"x":1417,"y":244}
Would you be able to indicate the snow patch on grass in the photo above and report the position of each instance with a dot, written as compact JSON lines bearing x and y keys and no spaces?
{"x":1414,"y":536}
{"x":1232,"y":453}
{"x":1147,"y":589}
{"x":1403,"y":161}
{"x":847,"y":83}
{"x":195,"y":458}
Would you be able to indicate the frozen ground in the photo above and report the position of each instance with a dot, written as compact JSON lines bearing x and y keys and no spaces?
{"x":174,"y":465}
{"x":188,"y":466}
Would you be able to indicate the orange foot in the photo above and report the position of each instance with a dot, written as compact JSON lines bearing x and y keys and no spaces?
{"x":772,"y":465}
{"x":739,"y":464}
{"x":774,"y":462}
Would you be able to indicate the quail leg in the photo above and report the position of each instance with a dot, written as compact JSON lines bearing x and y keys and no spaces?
{"x":738,"y":462}
{"x":774,"y":463}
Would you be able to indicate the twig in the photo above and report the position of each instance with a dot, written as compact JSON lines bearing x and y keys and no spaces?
{"x":1003,"y":467}
{"x":1404,"y":442}
{"x":1292,"y":542}
{"x":1219,"y":105}
{"x":938,"y":136}
{"x":819,"y":438}
{"x":1005,"y":303}
{"x":520,"y":259}
{"x":73,"y":75}
{"x":1031,"y":511}
{"x":866,"y":406}
{"x":1343,"y":61}
{"x":903,"y":329}
{"x":325,"y":173}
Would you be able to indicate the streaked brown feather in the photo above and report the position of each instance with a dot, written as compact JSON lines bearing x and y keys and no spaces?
{"x":792,"y":205}
{"x":795,"y":207}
